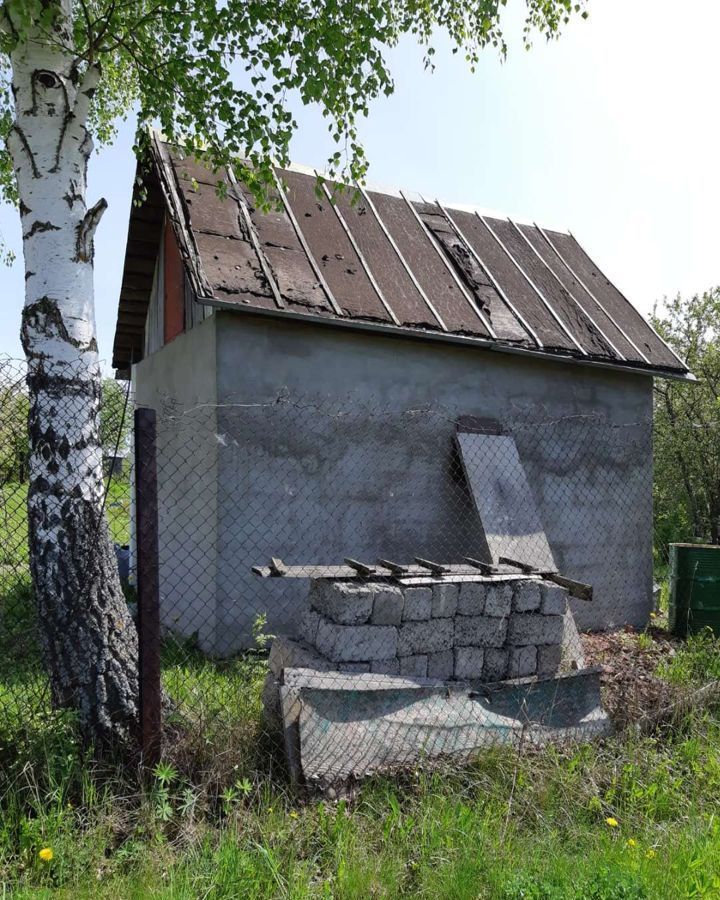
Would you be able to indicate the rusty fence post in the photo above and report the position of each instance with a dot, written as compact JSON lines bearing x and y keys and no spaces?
{"x":148,"y":585}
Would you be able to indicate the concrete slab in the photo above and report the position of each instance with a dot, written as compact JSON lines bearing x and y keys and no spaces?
{"x":339,"y":727}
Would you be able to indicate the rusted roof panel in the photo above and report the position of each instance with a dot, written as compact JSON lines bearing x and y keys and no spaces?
{"x":513,"y":285}
{"x":504,"y":323}
{"x":573,"y":286}
{"x":617,"y":306}
{"x":289,"y":264}
{"x":233,"y":272}
{"x":187,"y":168}
{"x":583,"y":329}
{"x":387,"y":269}
{"x":333,"y":251}
{"x":384,"y":260}
{"x":207,"y":212}
{"x":427,"y":266}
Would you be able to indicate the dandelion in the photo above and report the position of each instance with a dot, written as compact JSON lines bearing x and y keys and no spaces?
{"x":612,"y":822}
{"x":650,"y":854}
{"x":293,"y":815}
{"x":46,"y":854}
{"x":632,"y":842}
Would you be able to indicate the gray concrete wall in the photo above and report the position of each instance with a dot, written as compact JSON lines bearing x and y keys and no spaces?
{"x":179,"y":381}
{"x":335,"y":443}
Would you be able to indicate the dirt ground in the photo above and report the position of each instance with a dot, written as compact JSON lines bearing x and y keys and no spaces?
{"x":629,"y":661}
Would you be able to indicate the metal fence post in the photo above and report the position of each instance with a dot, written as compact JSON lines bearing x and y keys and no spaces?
{"x":148,"y":585}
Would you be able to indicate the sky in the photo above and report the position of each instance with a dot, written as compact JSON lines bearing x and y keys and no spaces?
{"x":610,"y":132}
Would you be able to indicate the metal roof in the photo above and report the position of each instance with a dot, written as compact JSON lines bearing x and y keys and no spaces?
{"x":386,"y":262}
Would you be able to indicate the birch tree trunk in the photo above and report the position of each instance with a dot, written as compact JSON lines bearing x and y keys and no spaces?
{"x":88,"y":638}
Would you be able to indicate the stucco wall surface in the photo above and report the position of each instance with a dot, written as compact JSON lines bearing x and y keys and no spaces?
{"x":336,"y":443}
{"x":179,"y":382}
{"x":314,"y":444}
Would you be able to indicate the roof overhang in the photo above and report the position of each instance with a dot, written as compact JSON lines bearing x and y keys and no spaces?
{"x":389,"y":264}
{"x":440,"y":337}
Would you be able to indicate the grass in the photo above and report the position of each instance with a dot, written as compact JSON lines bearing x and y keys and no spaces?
{"x":444,"y":834}
{"x":24,"y":696}
{"x":14,"y":527}
{"x":217,"y":818}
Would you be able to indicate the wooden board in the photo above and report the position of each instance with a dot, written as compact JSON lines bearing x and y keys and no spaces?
{"x":504,"y":500}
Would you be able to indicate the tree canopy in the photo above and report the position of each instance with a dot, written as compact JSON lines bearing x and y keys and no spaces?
{"x":687,"y":451}
{"x":218,"y":75}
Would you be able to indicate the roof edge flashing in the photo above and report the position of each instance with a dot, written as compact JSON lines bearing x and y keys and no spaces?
{"x":450,"y":338}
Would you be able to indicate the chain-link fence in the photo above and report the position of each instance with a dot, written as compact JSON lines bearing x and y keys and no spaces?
{"x":26,"y":705}
{"x":367,"y":586}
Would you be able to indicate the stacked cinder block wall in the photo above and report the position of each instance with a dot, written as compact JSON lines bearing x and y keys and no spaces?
{"x":487,"y":630}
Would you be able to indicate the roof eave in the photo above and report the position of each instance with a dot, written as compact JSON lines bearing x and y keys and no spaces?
{"x":444,"y":337}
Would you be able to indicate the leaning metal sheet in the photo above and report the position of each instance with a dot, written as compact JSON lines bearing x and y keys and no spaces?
{"x":503,"y":499}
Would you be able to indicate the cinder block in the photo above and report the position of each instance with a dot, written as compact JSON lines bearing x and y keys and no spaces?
{"x":418,"y":604}
{"x":343,"y":602}
{"x":354,"y":667}
{"x":534,"y":628}
{"x":495,"y":664}
{"x":526,"y":596}
{"x":307,"y":629}
{"x":572,"y":650}
{"x":472,"y":598}
{"x":480,"y":631}
{"x":549,"y":659}
{"x":385,"y":666}
{"x":441,"y":665}
{"x":469,"y":662}
{"x":444,"y":600}
{"x":554,"y":599}
{"x":522,"y":662}
{"x":498,"y":598}
{"x":388,"y":606}
{"x":356,"y":643}
{"x":288,"y":654}
{"x":414,"y":665}
{"x":425,"y":637}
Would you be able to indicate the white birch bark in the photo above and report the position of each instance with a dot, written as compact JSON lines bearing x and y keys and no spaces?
{"x":88,"y":638}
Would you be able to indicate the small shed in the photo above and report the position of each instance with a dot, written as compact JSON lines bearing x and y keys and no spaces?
{"x":310,"y":364}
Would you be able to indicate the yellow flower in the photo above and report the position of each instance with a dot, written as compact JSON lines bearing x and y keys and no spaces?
{"x":632,"y":842}
{"x":650,"y":854}
{"x":293,"y":815}
{"x":612,"y":821}
{"x":46,"y":854}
